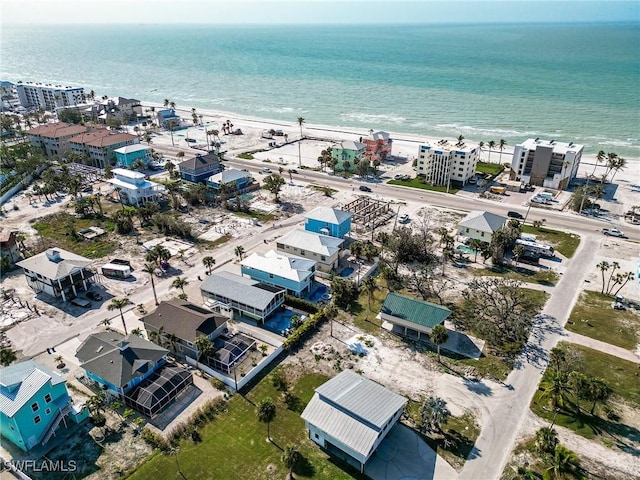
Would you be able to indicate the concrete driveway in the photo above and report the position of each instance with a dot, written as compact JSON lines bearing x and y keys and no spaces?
{"x":403,"y":455}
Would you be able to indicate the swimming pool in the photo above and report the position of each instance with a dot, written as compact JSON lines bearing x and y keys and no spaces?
{"x":346,"y":272}
{"x":465,"y":249}
{"x":320,"y":293}
{"x":280,"y":321}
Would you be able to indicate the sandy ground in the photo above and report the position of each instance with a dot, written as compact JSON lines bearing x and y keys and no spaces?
{"x":599,"y":460}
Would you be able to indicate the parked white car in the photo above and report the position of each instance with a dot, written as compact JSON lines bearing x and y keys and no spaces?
{"x":613,"y":232}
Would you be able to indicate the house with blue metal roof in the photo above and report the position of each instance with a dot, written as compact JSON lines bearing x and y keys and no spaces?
{"x":34,"y":401}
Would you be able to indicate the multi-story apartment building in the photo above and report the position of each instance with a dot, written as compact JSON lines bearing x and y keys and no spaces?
{"x":100,"y":145}
{"x":546,"y":163}
{"x":55,"y":138}
{"x":48,"y":97}
{"x":443,"y":163}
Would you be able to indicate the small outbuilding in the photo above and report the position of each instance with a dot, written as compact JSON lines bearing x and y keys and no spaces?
{"x":350,"y":415}
{"x":415,"y":316}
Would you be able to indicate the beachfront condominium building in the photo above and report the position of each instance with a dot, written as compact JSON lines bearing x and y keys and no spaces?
{"x":444,"y":162}
{"x":48,"y":97}
{"x":546,"y":163}
{"x":99,"y":146}
{"x":55,"y":138}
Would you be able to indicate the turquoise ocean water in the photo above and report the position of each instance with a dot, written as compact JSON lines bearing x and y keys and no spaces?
{"x":570,"y":82}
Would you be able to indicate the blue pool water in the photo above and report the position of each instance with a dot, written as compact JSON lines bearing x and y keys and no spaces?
{"x":318,"y":294}
{"x":281,"y":320}
{"x":346,"y":272}
{"x":465,"y":249}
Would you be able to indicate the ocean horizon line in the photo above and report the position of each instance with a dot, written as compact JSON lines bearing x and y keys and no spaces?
{"x":330,"y":24}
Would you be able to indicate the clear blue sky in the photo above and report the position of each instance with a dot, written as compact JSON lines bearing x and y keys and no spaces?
{"x":311,"y":11}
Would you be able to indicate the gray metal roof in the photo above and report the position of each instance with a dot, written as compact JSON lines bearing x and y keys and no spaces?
{"x":352,"y":409}
{"x":414,"y":310}
{"x":184,"y":320}
{"x":118,"y":359}
{"x":239,"y":289}
{"x":328,"y":215}
{"x":20,"y":382}
{"x":200,"y":162}
{"x":483,"y":221}
{"x":54,"y":263}
{"x":312,"y":242}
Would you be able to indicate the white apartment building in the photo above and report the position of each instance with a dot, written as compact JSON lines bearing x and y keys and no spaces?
{"x":445,"y":162}
{"x":546,"y":163}
{"x":47,"y":96}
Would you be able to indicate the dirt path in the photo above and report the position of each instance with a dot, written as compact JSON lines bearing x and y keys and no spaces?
{"x":604,"y":347}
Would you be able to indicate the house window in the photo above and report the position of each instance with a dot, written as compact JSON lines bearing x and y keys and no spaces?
{"x":302,"y":253}
{"x":48,"y":411}
{"x":316,"y":435}
{"x":323,"y":258}
{"x":47,"y":398}
{"x":34,"y":407}
{"x":36,"y":419}
{"x":271,"y":275}
{"x":482,"y":234}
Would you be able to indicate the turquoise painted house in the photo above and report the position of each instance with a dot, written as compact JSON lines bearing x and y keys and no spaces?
{"x":328,"y":221}
{"x":127,"y":156}
{"x":280,"y":270}
{"x":118,"y":363}
{"x":347,"y":154}
{"x":34,"y":401}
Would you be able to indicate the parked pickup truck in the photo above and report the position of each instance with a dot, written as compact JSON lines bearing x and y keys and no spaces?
{"x":613,"y":232}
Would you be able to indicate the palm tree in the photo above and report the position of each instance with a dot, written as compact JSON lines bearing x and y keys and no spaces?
{"x":491,"y":145}
{"x":106,"y":322}
{"x":439,"y":335}
{"x":603,"y":266}
{"x":208,"y":262}
{"x":598,"y":391}
{"x":138,"y":331}
{"x":556,"y":388}
{"x":434,"y":413}
{"x":204,"y":346}
{"x":331,"y":312}
{"x":180,"y":282}
{"x":546,"y":440}
{"x":151,"y":269}
{"x":518,"y":251}
{"x":7,"y":356}
{"x":119,"y":304}
{"x":600,"y":156}
{"x":370,"y":286}
{"x":166,"y":102}
{"x":239,"y":251}
{"x":619,"y":164}
{"x":172,"y":124}
{"x":501,"y":146}
{"x":563,"y":462}
{"x":476,"y":246}
{"x":290,"y":457}
{"x":266,"y":412}
{"x":300,"y":123}
{"x":480,"y":150}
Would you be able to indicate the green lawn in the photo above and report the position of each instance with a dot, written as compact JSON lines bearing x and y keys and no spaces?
{"x":235,"y":446}
{"x":54,"y":229}
{"x":419,"y":183}
{"x":261,"y":217}
{"x":490,"y":168}
{"x":460,"y":434}
{"x":593,"y":316}
{"x":621,"y":375}
{"x":564,"y":243}
{"x":522,"y":273}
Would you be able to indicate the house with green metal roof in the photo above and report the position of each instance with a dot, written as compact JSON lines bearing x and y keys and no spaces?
{"x":415,"y":316}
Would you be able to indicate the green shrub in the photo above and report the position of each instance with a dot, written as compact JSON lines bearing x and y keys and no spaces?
{"x":218,"y":384}
{"x":154,"y":440}
{"x":304,"y":331}
{"x":278,"y":381}
{"x":301,"y":304}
